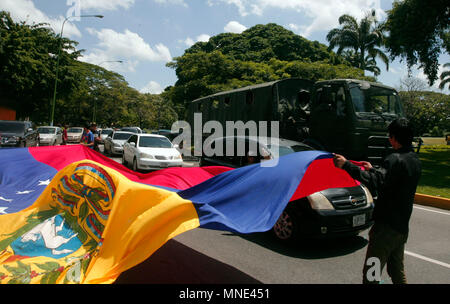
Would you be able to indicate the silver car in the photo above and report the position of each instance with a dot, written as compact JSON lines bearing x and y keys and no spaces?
{"x":74,"y":134}
{"x":114,"y":142}
{"x":50,"y":136}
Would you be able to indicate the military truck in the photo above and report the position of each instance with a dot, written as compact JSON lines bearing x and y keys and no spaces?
{"x":344,"y":116}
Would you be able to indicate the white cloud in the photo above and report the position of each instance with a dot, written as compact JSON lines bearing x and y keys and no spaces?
{"x":323,"y":13}
{"x":203,"y":38}
{"x":175,"y":2}
{"x":152,"y":87}
{"x":102,"y":5}
{"x":24,"y":10}
{"x":127,"y":46}
{"x":234,"y":27}
{"x":293,"y":27}
{"x":190,"y":42}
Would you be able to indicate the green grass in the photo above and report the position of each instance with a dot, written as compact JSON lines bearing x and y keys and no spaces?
{"x":435,"y":178}
{"x":434,"y":140}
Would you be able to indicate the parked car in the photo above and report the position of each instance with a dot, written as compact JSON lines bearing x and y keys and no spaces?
{"x":136,"y":130}
{"x":150,"y":152}
{"x":105,"y":133}
{"x":167,"y":133}
{"x":50,"y":136}
{"x":18,"y":134}
{"x":114,"y":142}
{"x":328,"y":213}
{"x":74,"y":134}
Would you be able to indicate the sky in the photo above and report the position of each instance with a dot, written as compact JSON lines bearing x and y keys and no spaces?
{"x":147,"y":34}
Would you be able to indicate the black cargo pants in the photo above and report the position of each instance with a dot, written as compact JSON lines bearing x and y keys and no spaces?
{"x":388,"y":246}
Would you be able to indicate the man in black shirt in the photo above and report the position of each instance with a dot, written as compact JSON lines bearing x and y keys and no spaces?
{"x":395,"y":183}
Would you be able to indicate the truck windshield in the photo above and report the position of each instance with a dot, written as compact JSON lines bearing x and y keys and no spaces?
{"x":375,"y":100}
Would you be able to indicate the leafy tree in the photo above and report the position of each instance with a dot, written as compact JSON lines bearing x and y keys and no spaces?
{"x":261,"y":43}
{"x":445,"y":77}
{"x":27,"y":66}
{"x":427,"y":110}
{"x":419,"y":33}
{"x":359,"y":42}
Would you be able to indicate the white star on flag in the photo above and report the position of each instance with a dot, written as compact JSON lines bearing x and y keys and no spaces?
{"x":2,"y":210}
{"x":24,"y":192}
{"x":44,"y":183}
{"x":4,"y":199}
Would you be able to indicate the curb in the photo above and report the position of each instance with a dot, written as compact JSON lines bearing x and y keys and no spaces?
{"x":432,"y":201}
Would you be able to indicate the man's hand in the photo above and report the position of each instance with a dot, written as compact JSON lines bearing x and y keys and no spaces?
{"x":339,"y":160}
{"x":367,"y":166}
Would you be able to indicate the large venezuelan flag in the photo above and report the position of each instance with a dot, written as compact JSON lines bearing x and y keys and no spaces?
{"x":70,"y":215}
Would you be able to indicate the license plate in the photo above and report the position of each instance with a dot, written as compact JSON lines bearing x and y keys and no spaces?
{"x":359,"y":220}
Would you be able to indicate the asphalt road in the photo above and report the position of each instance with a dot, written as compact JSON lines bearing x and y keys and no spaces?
{"x":203,"y":256}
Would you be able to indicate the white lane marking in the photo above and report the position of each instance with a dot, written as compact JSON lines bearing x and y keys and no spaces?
{"x":426,"y":209}
{"x":427,"y":259}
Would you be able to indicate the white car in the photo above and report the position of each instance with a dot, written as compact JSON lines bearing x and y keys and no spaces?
{"x":150,"y":152}
{"x":114,"y":142}
{"x":50,"y":136}
{"x":74,"y":134}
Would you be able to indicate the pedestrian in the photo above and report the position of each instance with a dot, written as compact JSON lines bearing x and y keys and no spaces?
{"x":395,"y":183}
{"x":64,"y":137}
{"x":97,"y":138}
{"x":88,"y":138}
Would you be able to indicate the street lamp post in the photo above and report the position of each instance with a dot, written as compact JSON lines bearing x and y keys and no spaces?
{"x":95,"y":98}
{"x":57,"y":62}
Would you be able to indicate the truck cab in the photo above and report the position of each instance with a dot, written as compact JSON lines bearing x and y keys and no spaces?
{"x":350,"y":117}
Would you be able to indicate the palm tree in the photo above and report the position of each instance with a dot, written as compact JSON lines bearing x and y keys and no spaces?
{"x":445,"y":77}
{"x":359,"y":40}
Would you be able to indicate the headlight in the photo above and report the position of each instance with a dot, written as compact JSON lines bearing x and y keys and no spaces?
{"x":318,"y":201}
{"x":117,"y":145}
{"x":145,"y":155}
{"x":177,"y":157}
{"x":369,"y":196}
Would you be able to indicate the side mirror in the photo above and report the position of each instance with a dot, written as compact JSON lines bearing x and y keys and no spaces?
{"x":132,"y":144}
{"x":29,"y":129}
{"x":176,"y":146}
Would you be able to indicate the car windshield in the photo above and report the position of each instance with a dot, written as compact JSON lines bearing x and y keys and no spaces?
{"x":121,"y":136}
{"x":284,"y":150}
{"x":134,"y":130}
{"x":280,"y":150}
{"x":75,"y":130}
{"x":12,"y":127}
{"x":154,"y":142}
{"x":375,"y":100}
{"x":46,"y":130}
{"x":108,"y":132}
